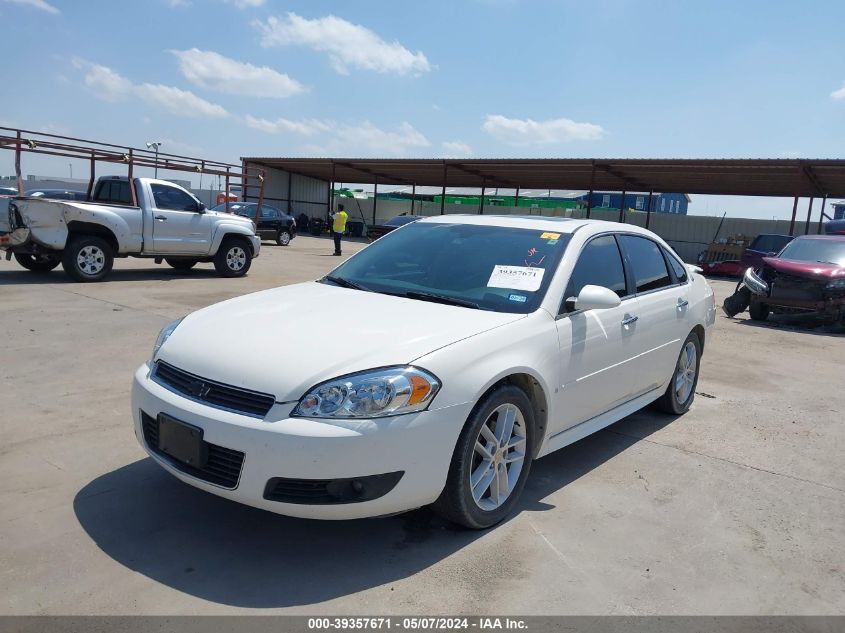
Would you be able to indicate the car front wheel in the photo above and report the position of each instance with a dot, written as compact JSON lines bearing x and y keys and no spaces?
{"x":491,"y":461}
{"x":283,"y":237}
{"x":233,"y":259}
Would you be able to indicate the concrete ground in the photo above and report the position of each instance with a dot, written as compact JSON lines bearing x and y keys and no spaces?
{"x":737,"y":507}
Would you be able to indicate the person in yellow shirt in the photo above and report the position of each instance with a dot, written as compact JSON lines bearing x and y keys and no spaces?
{"x":339,"y":218}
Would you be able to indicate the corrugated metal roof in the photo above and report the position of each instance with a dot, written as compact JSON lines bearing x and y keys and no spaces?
{"x":730,"y":176}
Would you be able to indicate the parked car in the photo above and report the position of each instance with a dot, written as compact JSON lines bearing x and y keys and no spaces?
{"x":379,"y":230}
{"x":727,"y":268}
{"x":500,"y":340}
{"x":169,"y":225}
{"x":764,"y":245}
{"x":273,"y":223}
{"x":806,"y":278}
{"x":834,"y":227}
{"x":8,"y":191}
{"x":57,"y":194}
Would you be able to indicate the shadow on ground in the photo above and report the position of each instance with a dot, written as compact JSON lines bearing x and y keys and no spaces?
{"x":155,"y":273}
{"x":231,"y":554}
{"x":794,"y":324}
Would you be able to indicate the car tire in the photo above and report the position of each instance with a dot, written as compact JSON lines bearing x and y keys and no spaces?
{"x":480,"y":448}
{"x":181,"y":264}
{"x":283,"y":237}
{"x":758,"y":311}
{"x":38,"y":263}
{"x":233,"y":258}
{"x":680,"y":392}
{"x":87,"y":258}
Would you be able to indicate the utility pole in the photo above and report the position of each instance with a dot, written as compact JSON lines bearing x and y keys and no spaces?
{"x":154,"y":145}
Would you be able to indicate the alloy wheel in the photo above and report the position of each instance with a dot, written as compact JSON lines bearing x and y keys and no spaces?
{"x":685,"y":372}
{"x":91,"y":260}
{"x":498,"y":457}
{"x":236,"y":258}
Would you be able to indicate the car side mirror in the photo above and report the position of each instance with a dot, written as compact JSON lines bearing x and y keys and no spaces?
{"x":201,"y":207}
{"x":593,"y":298}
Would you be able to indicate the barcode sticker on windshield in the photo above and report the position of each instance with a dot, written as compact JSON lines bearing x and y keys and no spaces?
{"x":516,"y":278}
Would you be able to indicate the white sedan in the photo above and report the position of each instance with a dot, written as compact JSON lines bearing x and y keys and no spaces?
{"x":432,"y":367}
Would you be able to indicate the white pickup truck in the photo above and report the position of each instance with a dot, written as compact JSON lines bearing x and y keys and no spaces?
{"x":169,"y":225}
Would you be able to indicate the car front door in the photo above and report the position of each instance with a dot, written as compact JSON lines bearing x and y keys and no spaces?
{"x":268,"y":224}
{"x":178,"y":227}
{"x":597,"y":347}
{"x":662,"y":307}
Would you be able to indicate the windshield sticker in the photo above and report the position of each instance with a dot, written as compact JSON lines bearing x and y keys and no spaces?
{"x":532,"y":251}
{"x":550,"y":236}
{"x":552,"y":242}
{"x":516,"y":278}
{"x":518,"y":298}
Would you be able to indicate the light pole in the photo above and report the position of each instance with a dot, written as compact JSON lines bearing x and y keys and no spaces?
{"x":70,"y":166}
{"x":155,"y":145}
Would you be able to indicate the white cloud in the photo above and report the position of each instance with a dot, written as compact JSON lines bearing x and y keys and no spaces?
{"x":348,"y":45}
{"x":246,"y":4}
{"x":456,"y":149}
{"x":531,"y":132}
{"x":365,"y":139}
{"x":108,"y":85}
{"x":213,"y":71}
{"x":178,"y":4}
{"x":305,"y":127}
{"x":37,"y":4}
{"x":839,"y":94}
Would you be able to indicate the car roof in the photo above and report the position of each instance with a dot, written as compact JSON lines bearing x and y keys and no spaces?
{"x":558,"y":225}
{"x":835,"y":238}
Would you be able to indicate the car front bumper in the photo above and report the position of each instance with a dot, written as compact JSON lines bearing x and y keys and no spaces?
{"x":418,"y":445}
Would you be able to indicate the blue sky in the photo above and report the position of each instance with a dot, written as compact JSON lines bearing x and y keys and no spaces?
{"x":487,"y":78}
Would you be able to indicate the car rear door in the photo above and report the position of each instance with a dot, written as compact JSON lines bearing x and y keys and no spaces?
{"x":177,"y":225}
{"x":597,"y":347}
{"x":662,"y":302}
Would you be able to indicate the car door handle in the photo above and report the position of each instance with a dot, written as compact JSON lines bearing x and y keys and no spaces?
{"x":629,"y":319}
{"x":682,"y":303}
{"x":161,"y":217}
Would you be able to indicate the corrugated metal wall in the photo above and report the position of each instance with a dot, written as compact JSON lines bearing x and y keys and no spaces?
{"x":307,"y":195}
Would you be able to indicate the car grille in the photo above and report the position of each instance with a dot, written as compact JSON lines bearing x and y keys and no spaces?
{"x":222,"y":468}
{"x":331,"y":491}
{"x":786,"y":286}
{"x":213,"y":393}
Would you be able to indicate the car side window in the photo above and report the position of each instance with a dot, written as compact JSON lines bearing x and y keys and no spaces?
{"x":647,"y":263}
{"x":677,"y":267}
{"x":599,"y":264}
{"x":269,"y":213}
{"x":172,"y":198}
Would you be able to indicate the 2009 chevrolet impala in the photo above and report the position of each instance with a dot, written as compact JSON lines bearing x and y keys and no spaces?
{"x":449,"y":355}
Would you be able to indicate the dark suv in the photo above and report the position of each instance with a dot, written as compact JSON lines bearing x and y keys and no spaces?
{"x":764,"y":245}
{"x":272,"y":224}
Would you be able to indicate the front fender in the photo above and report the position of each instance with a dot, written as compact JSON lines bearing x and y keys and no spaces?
{"x":232,"y":228}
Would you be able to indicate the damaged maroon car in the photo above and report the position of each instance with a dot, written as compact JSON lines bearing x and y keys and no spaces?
{"x":807,"y":278}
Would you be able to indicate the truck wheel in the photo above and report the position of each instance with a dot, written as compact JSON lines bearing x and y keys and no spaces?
{"x":233,"y":258}
{"x":283,"y":237}
{"x":758,"y":311}
{"x":38,"y":263}
{"x":87,"y":258}
{"x":181,"y":264}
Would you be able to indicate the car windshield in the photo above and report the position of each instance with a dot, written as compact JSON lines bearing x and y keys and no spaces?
{"x":486,"y":267}
{"x":829,"y":251}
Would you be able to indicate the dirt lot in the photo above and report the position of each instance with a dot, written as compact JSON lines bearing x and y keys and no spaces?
{"x":736,"y":508}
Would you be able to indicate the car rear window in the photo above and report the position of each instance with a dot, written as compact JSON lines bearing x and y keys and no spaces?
{"x":646,"y":260}
{"x":770,"y":243}
{"x":113,"y":191}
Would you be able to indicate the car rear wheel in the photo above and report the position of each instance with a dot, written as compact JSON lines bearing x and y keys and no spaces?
{"x":87,"y":258}
{"x":758,"y":311}
{"x":38,"y":263}
{"x":233,"y":258}
{"x":283,"y":237}
{"x":491,"y":461}
{"x":680,"y":393}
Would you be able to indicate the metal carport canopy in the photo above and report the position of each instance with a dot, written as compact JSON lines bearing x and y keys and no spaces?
{"x":729,"y":176}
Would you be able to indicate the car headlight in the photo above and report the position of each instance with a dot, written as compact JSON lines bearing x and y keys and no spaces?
{"x":165,"y":333}
{"x":836,"y":284}
{"x":372,"y":394}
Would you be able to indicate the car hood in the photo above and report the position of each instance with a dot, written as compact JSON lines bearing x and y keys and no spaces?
{"x":811,"y":270}
{"x":285,"y":340}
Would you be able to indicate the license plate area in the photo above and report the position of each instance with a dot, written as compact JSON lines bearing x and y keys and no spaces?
{"x":183,"y":442}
